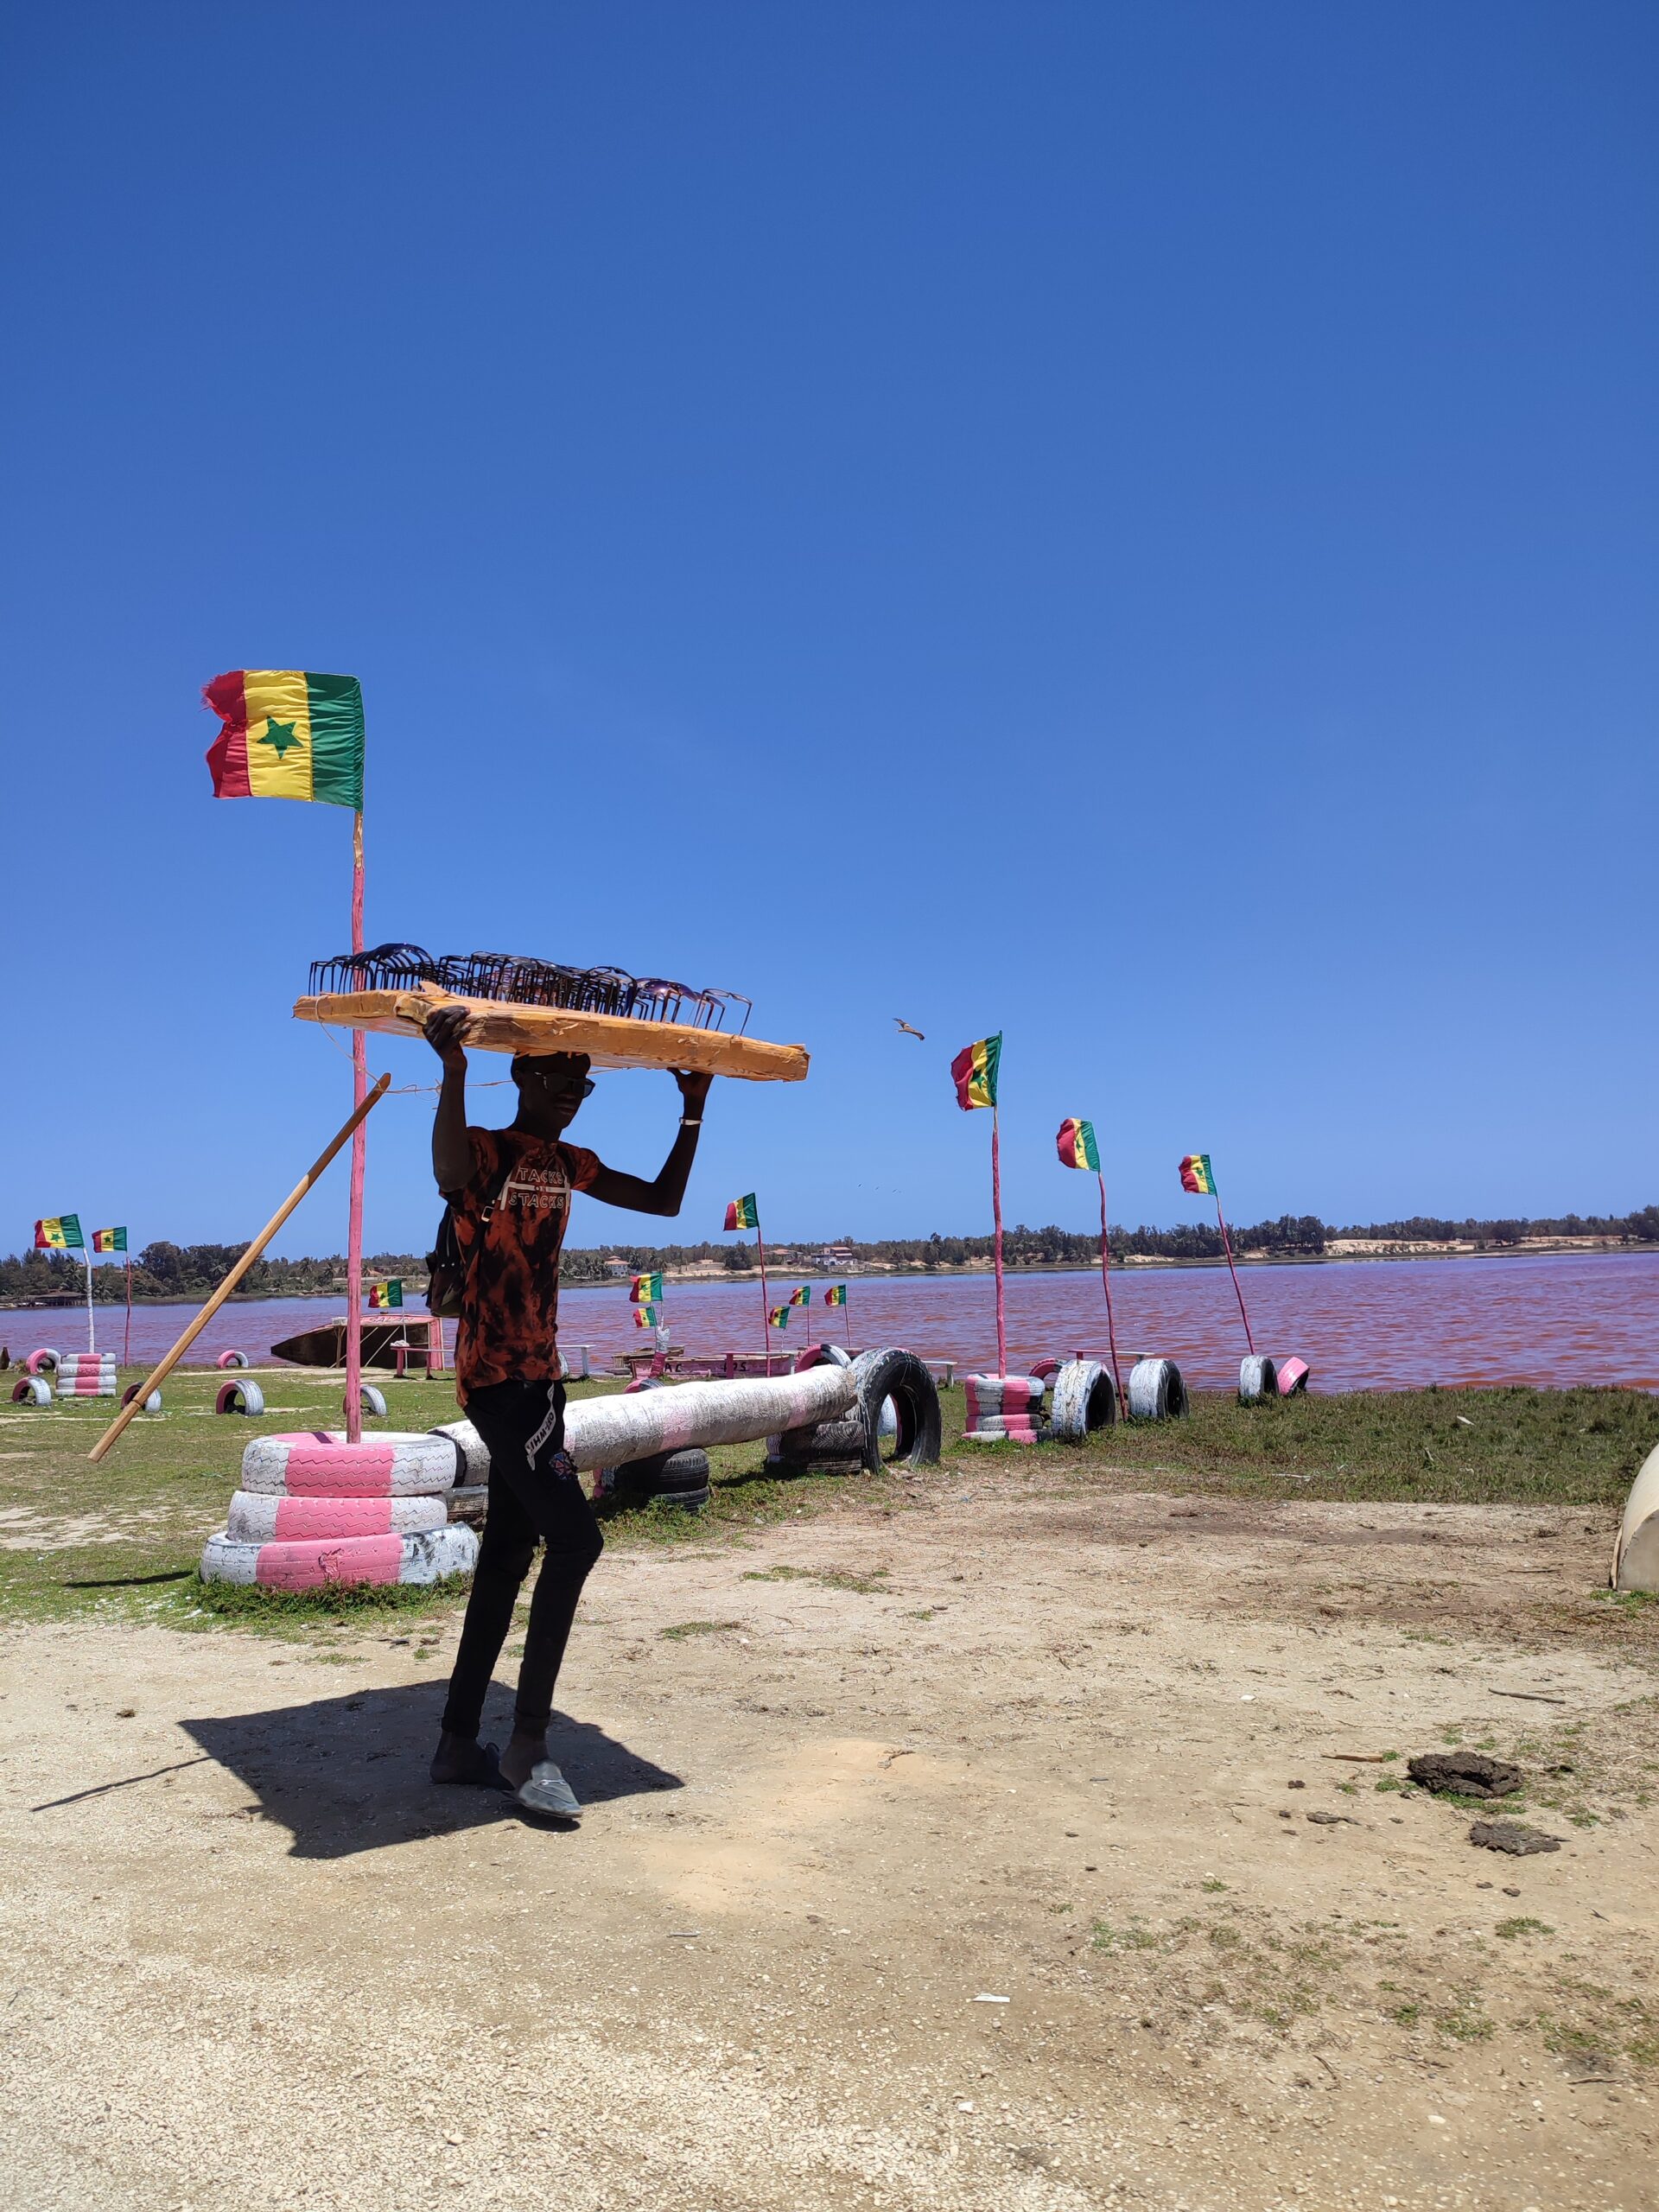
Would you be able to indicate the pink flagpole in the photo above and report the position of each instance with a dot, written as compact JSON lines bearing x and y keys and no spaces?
{"x":996,"y":1216}
{"x":359,"y":1157}
{"x":1106,"y":1285}
{"x":765,"y":1298}
{"x":1227,"y":1248}
{"x":126,"y":1348}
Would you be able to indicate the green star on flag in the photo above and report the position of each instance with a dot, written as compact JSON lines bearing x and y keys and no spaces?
{"x":280,"y":735}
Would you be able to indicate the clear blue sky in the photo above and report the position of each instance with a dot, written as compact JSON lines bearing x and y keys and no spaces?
{"x":1135,"y":526}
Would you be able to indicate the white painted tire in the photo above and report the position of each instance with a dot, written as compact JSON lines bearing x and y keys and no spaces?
{"x":1156,"y":1391}
{"x":1636,"y":1553}
{"x":1084,"y":1400}
{"x":152,"y":1403}
{"x":43,"y":1361}
{"x":240,"y":1398}
{"x":31,"y":1391}
{"x":268,"y":1517}
{"x":233,"y":1359}
{"x":1258,"y":1378}
{"x":431,"y":1557}
{"x":471,"y":1454}
{"x":321,"y":1464}
{"x":370,"y":1401}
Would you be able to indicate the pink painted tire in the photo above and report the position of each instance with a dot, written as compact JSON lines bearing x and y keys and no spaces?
{"x":152,"y":1403}
{"x":1292,"y":1376}
{"x":265,"y":1517}
{"x":326,"y":1563}
{"x":31,"y":1391}
{"x":1042,"y":1369}
{"x":233,"y":1359}
{"x":240,"y":1398}
{"x":321,"y":1464}
{"x":44,"y":1362}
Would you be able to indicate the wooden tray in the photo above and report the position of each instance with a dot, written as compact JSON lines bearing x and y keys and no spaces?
{"x":610,"y":1040}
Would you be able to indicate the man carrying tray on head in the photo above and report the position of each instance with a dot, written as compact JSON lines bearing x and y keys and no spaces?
{"x":509,"y":1192}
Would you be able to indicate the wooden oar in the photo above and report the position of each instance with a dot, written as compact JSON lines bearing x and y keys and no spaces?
{"x":136,"y":1402}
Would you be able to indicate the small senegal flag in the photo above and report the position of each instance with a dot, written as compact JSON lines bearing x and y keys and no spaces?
{"x":974,"y":1070}
{"x":384,"y":1295}
{"x":287,"y":734}
{"x":646,"y":1317}
{"x":779,"y":1317}
{"x":836,"y":1294}
{"x":109,"y":1240}
{"x":743,"y":1213}
{"x":1077,"y":1149}
{"x":61,"y":1233}
{"x":1197,"y":1176}
{"x":647,"y":1289}
{"x":801,"y":1297}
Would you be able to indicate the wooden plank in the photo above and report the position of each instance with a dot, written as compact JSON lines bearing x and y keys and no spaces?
{"x":610,"y":1040}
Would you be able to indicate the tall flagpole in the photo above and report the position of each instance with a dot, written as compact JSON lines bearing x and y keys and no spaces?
{"x":765,"y":1296}
{"x":86,"y":1262}
{"x":996,"y":1216}
{"x":359,"y":1157}
{"x":126,"y":1346}
{"x":1106,"y":1283}
{"x":1226,"y":1247}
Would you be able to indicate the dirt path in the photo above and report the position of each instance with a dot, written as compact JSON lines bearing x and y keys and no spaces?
{"x":847,"y":1782}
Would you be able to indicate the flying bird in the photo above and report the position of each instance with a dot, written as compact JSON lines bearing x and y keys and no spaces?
{"x":909,"y":1031}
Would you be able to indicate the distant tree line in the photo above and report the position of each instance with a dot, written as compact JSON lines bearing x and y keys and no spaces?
{"x":185,"y":1271}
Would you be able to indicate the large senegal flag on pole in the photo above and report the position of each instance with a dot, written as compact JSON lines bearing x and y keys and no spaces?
{"x":60,"y":1232}
{"x":1076,"y":1147}
{"x":287,"y":734}
{"x":1199,"y":1178}
{"x":744,"y":1213}
{"x":1075,"y":1143}
{"x":974,"y":1071}
{"x":646,"y":1290}
{"x":385,"y":1295}
{"x":109,"y":1240}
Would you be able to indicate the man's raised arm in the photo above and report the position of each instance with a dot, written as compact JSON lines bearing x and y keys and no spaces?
{"x":665,"y":1195}
{"x":451,"y":1148}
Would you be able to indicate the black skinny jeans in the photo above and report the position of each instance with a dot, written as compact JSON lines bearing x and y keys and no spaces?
{"x":534,"y":1493}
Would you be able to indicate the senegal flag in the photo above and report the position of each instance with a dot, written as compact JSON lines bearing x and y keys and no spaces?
{"x":109,"y":1240}
{"x":836,"y":1294}
{"x":1196,"y":1175}
{"x":384,"y":1295}
{"x":1076,"y":1146}
{"x":287,"y":734}
{"x":646,"y":1317}
{"x":61,"y":1233}
{"x":646,"y":1290}
{"x":743,"y":1213}
{"x":779,"y":1317}
{"x":801,"y":1297}
{"x":974,"y":1070}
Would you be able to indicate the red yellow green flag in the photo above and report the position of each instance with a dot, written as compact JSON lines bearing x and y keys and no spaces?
{"x":801,"y":1297}
{"x":974,"y":1070}
{"x":383,"y":1295}
{"x":60,"y":1233}
{"x":109,"y":1240}
{"x":646,"y":1290}
{"x":1196,"y":1175}
{"x":779,"y":1316}
{"x":1076,"y":1147}
{"x":287,"y":734}
{"x":646,"y":1317}
{"x":836,"y":1294}
{"x":743,"y":1213}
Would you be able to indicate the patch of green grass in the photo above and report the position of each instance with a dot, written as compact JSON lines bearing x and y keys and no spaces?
{"x":1211,"y":1886}
{"x":1465,"y":2023}
{"x":864,"y":1585}
{"x":681,"y":1630}
{"x":1105,"y":1937}
{"x":1522,"y":1924}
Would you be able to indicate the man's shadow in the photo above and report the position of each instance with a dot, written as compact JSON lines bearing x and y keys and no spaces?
{"x":349,"y":1774}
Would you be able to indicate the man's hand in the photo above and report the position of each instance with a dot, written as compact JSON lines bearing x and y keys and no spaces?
{"x":442,"y":1029}
{"x":694,"y":1089}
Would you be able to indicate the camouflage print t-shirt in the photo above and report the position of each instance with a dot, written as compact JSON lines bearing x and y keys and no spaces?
{"x":513,"y":1215}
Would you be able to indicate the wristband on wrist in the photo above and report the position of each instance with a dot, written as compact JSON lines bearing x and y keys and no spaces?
{"x":686,"y":1122}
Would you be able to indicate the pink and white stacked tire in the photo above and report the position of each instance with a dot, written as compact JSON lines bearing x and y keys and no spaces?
{"x":259,"y":1517}
{"x":86,"y":1375}
{"x":1003,"y":1408}
{"x":231,"y":1359}
{"x":321,"y":1464}
{"x":318,"y":1563}
{"x":43,"y":1361}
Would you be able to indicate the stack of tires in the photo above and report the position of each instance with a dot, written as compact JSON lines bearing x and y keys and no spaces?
{"x":1003,"y":1408}
{"x":86,"y":1375}
{"x":314,"y":1510}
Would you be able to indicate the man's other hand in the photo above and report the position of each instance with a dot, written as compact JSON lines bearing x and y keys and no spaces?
{"x":442,"y":1029}
{"x":694,"y":1089}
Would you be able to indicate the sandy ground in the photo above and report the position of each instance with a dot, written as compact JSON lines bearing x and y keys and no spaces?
{"x":251,"y":1960}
